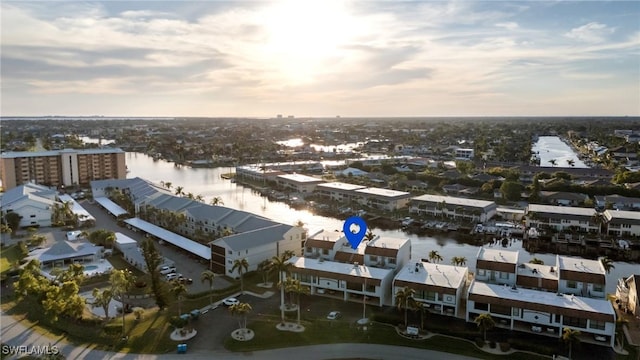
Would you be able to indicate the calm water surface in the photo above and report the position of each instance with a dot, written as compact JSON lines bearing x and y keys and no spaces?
{"x":552,"y":147}
{"x":208,"y":183}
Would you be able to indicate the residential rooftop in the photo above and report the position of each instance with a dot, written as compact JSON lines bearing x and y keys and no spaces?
{"x":21,"y":154}
{"x":498,"y":255}
{"x":383,"y":192}
{"x":387,"y":242}
{"x":299,"y":178}
{"x":454,"y":200}
{"x":581,"y":265}
{"x":600,"y":306}
{"x":433,"y":274}
{"x":340,"y":268}
{"x":568,"y":210}
{"x":538,"y":271}
{"x":341,"y":186}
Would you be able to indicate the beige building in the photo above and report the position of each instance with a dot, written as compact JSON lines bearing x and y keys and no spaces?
{"x":66,"y":167}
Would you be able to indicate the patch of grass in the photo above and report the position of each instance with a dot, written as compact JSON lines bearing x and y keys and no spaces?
{"x":150,"y":334}
{"x":326,"y":332}
{"x":8,"y":256}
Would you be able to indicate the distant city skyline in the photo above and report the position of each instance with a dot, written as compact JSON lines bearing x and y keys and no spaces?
{"x":320,"y":58}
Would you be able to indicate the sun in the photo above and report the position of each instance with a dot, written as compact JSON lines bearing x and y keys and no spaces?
{"x":303,"y":36}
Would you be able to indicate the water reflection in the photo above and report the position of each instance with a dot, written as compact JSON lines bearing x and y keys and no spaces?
{"x":208,"y":183}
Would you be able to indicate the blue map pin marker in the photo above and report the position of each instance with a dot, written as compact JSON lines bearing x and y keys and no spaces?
{"x":354,"y":238}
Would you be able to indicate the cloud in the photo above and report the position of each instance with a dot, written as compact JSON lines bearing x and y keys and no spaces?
{"x":508,"y":25}
{"x":592,"y":32}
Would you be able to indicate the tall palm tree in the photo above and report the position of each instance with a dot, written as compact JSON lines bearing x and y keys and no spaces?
{"x":553,"y":162}
{"x":404,"y":300}
{"x":167,"y":184}
{"x":294,"y":286}
{"x":241,"y":265}
{"x":570,"y":337}
{"x":199,"y":198}
{"x":283,"y":267}
{"x":264,"y":268}
{"x":459,"y":260}
{"x":178,"y":289}
{"x":434,"y":256}
{"x":607,"y":264}
{"x":208,"y":276}
{"x":179,"y":190}
{"x":485,"y":322}
{"x":121,"y":282}
{"x":241,"y":309}
{"x":288,"y":254}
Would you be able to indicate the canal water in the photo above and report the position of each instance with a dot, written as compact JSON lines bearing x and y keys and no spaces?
{"x":553,"y":148}
{"x":209,"y":184}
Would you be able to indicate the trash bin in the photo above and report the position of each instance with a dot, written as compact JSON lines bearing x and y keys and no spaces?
{"x":182,"y":348}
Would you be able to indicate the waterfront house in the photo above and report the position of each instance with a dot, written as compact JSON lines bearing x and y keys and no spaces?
{"x":34,"y":203}
{"x":563,"y":198}
{"x":453,"y":207}
{"x":384,"y":199}
{"x":338,"y":191}
{"x":628,"y":294}
{"x":438,"y":287}
{"x":323,"y":244}
{"x":542,"y":312}
{"x":298,"y":183}
{"x":496,"y":266}
{"x":617,"y":202}
{"x":561,"y":218}
{"x":581,"y":277}
{"x":622,"y":223}
{"x":344,"y":281}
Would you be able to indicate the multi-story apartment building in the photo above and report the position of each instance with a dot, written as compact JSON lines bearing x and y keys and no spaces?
{"x":622,"y":223}
{"x":384,"y":199}
{"x":439,"y":287}
{"x":68,"y":167}
{"x":34,"y":203}
{"x":562,"y":218}
{"x":298,"y":182}
{"x":543,"y":298}
{"x":453,"y":207}
{"x":338,"y":191}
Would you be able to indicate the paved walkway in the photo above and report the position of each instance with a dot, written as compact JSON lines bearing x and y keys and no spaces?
{"x":14,"y":333}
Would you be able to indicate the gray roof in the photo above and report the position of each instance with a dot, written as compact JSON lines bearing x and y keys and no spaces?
{"x":31,"y":191}
{"x":254,"y":238}
{"x":65,"y":250}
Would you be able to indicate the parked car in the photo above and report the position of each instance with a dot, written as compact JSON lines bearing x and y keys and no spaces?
{"x":172,"y":276}
{"x":334,"y":315}
{"x":230,"y":301}
{"x":185,"y":280}
{"x":167,"y":270}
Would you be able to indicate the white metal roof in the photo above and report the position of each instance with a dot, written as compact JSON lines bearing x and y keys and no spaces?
{"x":454,"y":200}
{"x":340,"y":268}
{"x":172,"y":238}
{"x":497,"y":255}
{"x":111,"y":207}
{"x":569,"y":210}
{"x":433,"y":274}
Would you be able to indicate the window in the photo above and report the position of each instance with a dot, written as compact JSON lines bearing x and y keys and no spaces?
{"x":354,"y":286}
{"x":308,"y":248}
{"x":430,"y":295}
{"x":392,"y":260}
{"x":515,"y":311}
{"x":598,"y":325}
{"x":373,"y":258}
{"x":572,"y":284}
{"x":305,"y":278}
{"x":325,"y":251}
{"x":504,"y":275}
{"x":500,"y":309}
{"x":246,"y":251}
{"x":230,"y":252}
{"x":576,"y":322}
{"x":481,"y":306}
{"x":32,"y":216}
{"x":370,"y":288}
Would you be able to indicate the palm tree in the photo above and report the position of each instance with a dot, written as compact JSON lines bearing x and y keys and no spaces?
{"x":283,"y":267}
{"x":288,"y":254}
{"x":199,"y":198}
{"x":179,"y":191}
{"x":434,"y":256}
{"x":167,"y":184}
{"x":178,"y":289}
{"x":537,"y":261}
{"x":404,"y":299}
{"x":264,"y":268}
{"x":571,"y":162}
{"x":121,"y":282}
{"x":217,"y":200}
{"x":208,"y":276}
{"x":570,"y":337}
{"x":459,"y":260}
{"x":241,"y":265}
{"x":369,"y":235}
{"x":295,"y":287}
{"x":553,"y":162}
{"x":241,"y":309}
{"x":485,"y":322}
{"x":607,"y":264}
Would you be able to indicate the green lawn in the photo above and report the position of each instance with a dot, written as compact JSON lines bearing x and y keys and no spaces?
{"x":326,"y":332}
{"x":9,"y":255}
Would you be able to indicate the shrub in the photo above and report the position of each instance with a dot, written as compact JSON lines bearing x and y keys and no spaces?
{"x":387,"y":318}
{"x":492,"y":344}
{"x":113,"y":329}
{"x":479,"y":342}
{"x":505,"y":346}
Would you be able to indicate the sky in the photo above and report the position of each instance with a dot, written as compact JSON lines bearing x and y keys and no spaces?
{"x":320,"y":58}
